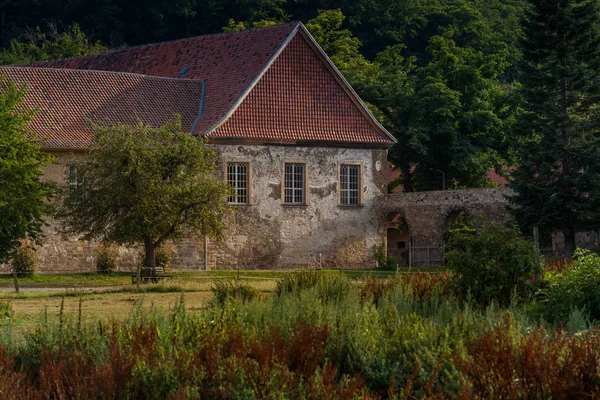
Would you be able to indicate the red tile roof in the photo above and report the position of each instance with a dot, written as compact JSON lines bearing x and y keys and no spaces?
{"x":228,"y":61}
{"x":497,"y":178}
{"x":67,"y":99}
{"x":299,"y":99}
{"x":271,"y":84}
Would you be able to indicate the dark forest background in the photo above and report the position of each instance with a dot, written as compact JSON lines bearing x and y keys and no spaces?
{"x":440,"y":75}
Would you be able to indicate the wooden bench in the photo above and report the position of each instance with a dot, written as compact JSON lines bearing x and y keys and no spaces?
{"x":145,"y":275}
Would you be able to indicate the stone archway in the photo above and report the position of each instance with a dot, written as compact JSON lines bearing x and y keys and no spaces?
{"x":458,"y":219}
{"x":398,"y":239}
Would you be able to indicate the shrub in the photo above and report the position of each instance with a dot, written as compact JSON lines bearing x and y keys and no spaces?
{"x":297,"y":281}
{"x":163,"y":256}
{"x":233,"y":289}
{"x":25,"y":261}
{"x":385,"y":261}
{"x":329,"y":288}
{"x":575,"y":287}
{"x":106,"y":259}
{"x":6,"y":310}
{"x":492,"y":265}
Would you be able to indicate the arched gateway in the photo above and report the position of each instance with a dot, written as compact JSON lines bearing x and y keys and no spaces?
{"x":414,"y":224}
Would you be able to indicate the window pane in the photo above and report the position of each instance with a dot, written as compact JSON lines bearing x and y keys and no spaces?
{"x":349,"y":184}
{"x":237,"y":178}
{"x":294,"y":183}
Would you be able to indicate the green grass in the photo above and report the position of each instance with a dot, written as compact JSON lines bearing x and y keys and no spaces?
{"x":80,"y":280}
{"x":69,"y":279}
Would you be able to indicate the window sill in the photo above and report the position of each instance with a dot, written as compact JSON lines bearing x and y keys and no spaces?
{"x":303,"y":205}
{"x":239,"y":204}
{"x":351,"y":205}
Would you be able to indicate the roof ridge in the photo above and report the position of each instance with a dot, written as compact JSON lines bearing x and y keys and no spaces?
{"x":155,"y":44}
{"x":95,"y":72}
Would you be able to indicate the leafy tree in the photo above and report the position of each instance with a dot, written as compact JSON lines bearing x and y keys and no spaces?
{"x":492,"y":264}
{"x":24,"y":196}
{"x":557,"y":183}
{"x":448,"y":115}
{"x":40,"y":46}
{"x":145,"y":185}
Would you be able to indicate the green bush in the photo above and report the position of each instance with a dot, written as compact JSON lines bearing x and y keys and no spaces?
{"x":163,"y":256}
{"x":106,"y":259}
{"x":25,"y":261}
{"x":233,"y":289}
{"x":385,"y":261}
{"x":577,"y":287}
{"x":492,"y":265}
{"x":329,"y":288}
{"x":297,"y":281}
{"x":6,"y":310}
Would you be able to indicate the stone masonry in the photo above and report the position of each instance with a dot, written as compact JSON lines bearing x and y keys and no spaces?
{"x":265,"y":233}
{"x":427,"y":213}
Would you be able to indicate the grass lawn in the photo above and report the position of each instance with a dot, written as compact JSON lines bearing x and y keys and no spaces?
{"x":106,"y":297}
{"x":78,"y":280}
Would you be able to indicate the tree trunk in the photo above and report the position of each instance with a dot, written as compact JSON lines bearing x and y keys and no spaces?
{"x":569,"y":243}
{"x":150,"y":261}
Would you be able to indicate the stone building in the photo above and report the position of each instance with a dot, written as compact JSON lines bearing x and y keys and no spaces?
{"x":306,"y":159}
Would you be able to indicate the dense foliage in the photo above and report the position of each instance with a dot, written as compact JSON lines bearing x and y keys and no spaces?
{"x":106,"y":259}
{"x":399,"y":338}
{"x":576,"y":287}
{"x":41,"y":46}
{"x":557,"y":186}
{"x":145,"y":185}
{"x":25,"y":261}
{"x":438,"y":74}
{"x":492,"y":265}
{"x":24,"y":195}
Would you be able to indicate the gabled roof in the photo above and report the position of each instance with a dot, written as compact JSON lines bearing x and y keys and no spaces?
{"x":299,"y":100}
{"x":228,"y":61}
{"x":66,"y":100}
{"x":240,"y":70}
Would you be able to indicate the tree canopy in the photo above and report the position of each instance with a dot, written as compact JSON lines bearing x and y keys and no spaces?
{"x":440,"y":75}
{"x":557,"y":182}
{"x":49,"y":45}
{"x":146,"y":185}
{"x":24,"y":196}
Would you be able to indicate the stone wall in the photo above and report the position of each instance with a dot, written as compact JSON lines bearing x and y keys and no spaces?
{"x":269,"y":234}
{"x":266,"y":233}
{"x":428,"y":213}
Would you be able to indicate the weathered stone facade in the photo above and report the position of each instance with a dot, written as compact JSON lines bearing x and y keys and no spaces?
{"x":427,"y":213}
{"x":264,"y":233}
{"x":269,"y":234}
{"x":426,"y":216}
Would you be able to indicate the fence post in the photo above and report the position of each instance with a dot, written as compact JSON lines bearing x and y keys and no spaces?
{"x":428,"y":255}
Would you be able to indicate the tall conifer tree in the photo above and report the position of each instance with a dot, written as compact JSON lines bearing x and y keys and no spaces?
{"x":557,"y":183}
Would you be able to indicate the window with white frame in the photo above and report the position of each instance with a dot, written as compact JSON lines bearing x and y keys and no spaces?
{"x":237,"y":178}
{"x":349,"y":185}
{"x":294,"y":183}
{"x":73,"y":178}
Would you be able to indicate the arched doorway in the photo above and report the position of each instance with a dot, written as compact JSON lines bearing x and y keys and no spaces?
{"x":398,"y":237}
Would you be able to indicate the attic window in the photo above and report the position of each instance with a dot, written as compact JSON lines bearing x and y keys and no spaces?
{"x":183,"y":71}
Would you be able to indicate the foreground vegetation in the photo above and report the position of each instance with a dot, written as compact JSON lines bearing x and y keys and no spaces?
{"x":313,"y":336}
